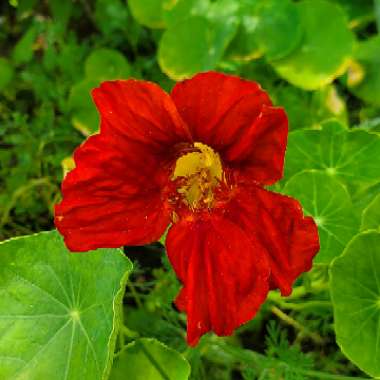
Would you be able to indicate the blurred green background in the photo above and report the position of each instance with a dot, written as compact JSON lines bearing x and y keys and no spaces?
{"x":320,"y":59}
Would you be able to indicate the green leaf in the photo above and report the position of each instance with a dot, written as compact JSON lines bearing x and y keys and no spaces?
{"x":85,"y":117}
{"x":355,"y":291}
{"x":59,"y":311}
{"x":179,"y":10}
{"x":353,"y":156}
{"x":308,"y":66}
{"x":23,"y":50}
{"x":180,"y":57}
{"x":245,"y":45}
{"x":106,"y":64}
{"x":367,"y":55}
{"x":61,"y":11}
{"x":148,"y":12}
{"x":113,"y":16}
{"x":6,"y":72}
{"x":307,"y":109}
{"x":358,"y":11}
{"x":148,"y":359}
{"x":371,"y":215}
{"x":328,"y":202}
{"x":279,"y":30}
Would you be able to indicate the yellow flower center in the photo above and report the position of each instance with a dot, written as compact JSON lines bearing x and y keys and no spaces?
{"x":198,"y":174}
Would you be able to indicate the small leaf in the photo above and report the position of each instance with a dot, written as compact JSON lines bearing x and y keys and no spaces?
{"x":6,"y":72}
{"x":148,"y":12}
{"x":84,"y":114}
{"x":355,"y":291}
{"x":61,"y":11}
{"x":23,"y":50}
{"x":178,"y":55}
{"x":327,"y":200}
{"x":352,"y":156}
{"x":59,"y":311}
{"x":308,"y":66}
{"x":106,"y":64}
{"x":371,"y":215}
{"x":149,"y":359}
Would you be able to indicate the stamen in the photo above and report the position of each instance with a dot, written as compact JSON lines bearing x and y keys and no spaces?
{"x":198,"y":173}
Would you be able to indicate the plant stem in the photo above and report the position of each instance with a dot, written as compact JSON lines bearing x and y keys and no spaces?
{"x":292,"y":322}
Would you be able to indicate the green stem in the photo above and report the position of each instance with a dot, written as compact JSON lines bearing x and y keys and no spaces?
{"x":135,"y":295}
{"x":296,"y":325}
{"x":304,"y":305}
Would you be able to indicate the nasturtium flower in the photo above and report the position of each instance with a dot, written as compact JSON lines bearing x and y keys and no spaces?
{"x":196,"y":160}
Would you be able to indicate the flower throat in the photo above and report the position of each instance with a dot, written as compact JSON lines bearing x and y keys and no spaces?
{"x":197,"y":175}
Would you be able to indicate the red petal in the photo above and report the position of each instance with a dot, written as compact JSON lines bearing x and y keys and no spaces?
{"x":141,"y":111}
{"x":259,"y":154}
{"x":235,"y":117}
{"x":225,"y":276}
{"x":113,"y":196}
{"x":289,"y":239}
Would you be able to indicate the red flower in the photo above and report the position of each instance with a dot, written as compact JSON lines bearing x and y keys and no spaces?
{"x":196,"y":159}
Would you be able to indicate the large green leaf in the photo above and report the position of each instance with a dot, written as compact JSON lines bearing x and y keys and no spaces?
{"x":148,"y":359}
{"x":355,"y":290}
{"x":59,"y":311}
{"x":367,"y":55}
{"x":371,"y":215}
{"x":327,"y":200}
{"x":353,"y":156}
{"x":279,"y":28}
{"x":320,"y":58}
{"x":197,"y":43}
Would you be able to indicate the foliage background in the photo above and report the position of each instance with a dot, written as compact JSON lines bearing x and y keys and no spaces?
{"x":319,"y":59}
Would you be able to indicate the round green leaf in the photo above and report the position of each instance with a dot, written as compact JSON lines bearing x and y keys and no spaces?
{"x":59,"y":311}
{"x":353,"y":156}
{"x":148,"y":359}
{"x":329,"y":203}
{"x":279,"y":28}
{"x":106,"y":64}
{"x":6,"y":72}
{"x":371,"y":215}
{"x":358,"y":11}
{"x":177,"y":11}
{"x":325,"y":48}
{"x":367,"y":55}
{"x":85,"y":117}
{"x":195,"y":44}
{"x":355,"y":291}
{"x":148,"y":12}
{"x":244,"y":46}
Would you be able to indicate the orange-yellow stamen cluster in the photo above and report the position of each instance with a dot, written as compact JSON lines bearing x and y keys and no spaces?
{"x":198,"y":173}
